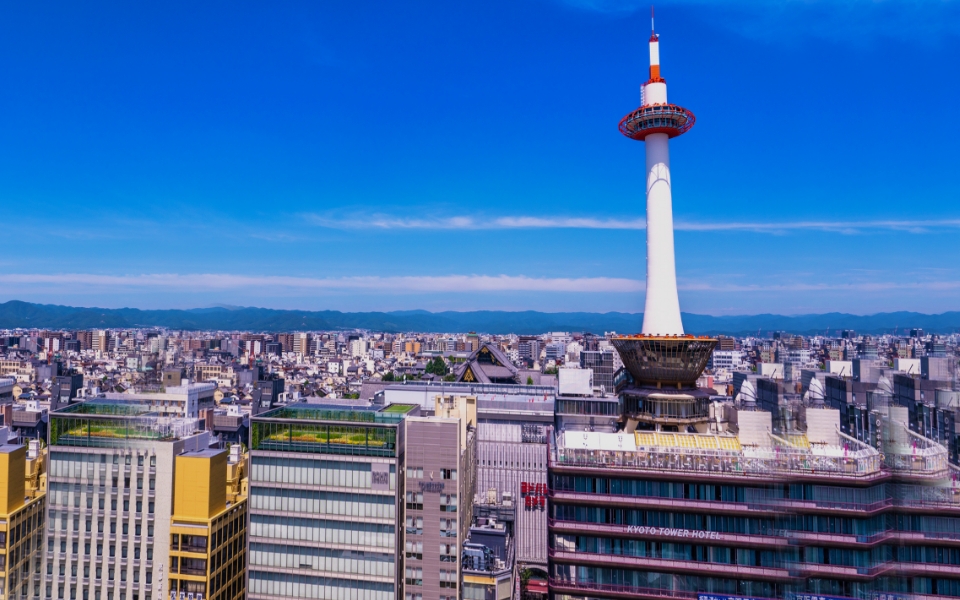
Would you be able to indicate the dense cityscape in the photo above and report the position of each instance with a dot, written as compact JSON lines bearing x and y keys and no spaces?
{"x":156,"y":463}
{"x":484,"y":447}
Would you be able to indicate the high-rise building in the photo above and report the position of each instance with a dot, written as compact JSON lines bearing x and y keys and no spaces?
{"x":208,"y":542}
{"x":22,"y":517}
{"x":326,"y":503}
{"x":440,"y":483}
{"x":655,"y":514}
{"x":110,"y":499}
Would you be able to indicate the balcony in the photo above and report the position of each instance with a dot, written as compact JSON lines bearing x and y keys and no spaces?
{"x":627,"y":592}
{"x":738,"y":540}
{"x":682,"y":567}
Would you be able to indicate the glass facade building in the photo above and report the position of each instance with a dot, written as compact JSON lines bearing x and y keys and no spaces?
{"x":325,"y":503}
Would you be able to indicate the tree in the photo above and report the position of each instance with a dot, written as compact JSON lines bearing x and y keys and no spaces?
{"x":436,"y":366}
{"x":529,"y":380}
{"x":388,"y":376}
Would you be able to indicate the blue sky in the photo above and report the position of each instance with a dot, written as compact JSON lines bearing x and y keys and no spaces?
{"x":455,"y":156}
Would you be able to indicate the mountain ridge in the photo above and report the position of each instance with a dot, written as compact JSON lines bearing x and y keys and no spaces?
{"x":20,"y":314}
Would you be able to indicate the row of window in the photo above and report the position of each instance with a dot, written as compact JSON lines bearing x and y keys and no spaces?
{"x":321,"y":502}
{"x":111,"y":549}
{"x":307,"y":471}
{"x":319,"y":530}
{"x":88,"y":525}
{"x":291,"y":556}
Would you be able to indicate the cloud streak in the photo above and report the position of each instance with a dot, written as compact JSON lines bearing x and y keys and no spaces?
{"x":284,"y":285}
{"x":387,"y":222}
{"x":424,"y":284}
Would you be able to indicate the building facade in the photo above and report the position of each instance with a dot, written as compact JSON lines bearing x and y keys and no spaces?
{"x":325,"y":503}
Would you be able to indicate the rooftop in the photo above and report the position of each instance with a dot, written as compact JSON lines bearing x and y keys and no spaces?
{"x":320,"y":412}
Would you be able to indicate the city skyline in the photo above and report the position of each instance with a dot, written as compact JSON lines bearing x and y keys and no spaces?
{"x":468,"y":158}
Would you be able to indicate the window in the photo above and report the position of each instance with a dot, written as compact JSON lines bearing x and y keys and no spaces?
{"x":86,"y":548}
{"x":414,"y":550}
{"x":149,"y":530}
{"x":113,"y":550}
{"x":123,"y":551}
{"x":113,"y":526}
{"x":63,"y":546}
{"x":113,"y":504}
{"x":153,"y":461}
{"x":126,"y":505}
{"x":415,"y":525}
{"x":150,"y":506}
{"x":136,"y":553}
{"x":89,"y":501}
{"x":101,"y":503}
{"x":89,"y":525}
{"x":137,"y":528}
{"x":149,"y":553}
{"x":139,"y":505}
{"x":448,"y":579}
{"x":139,"y":460}
{"x":413,"y":575}
{"x":126,"y":528}
{"x":448,"y":502}
{"x":100,"y":526}
{"x":99,"y":550}
{"x":139,"y":483}
{"x":450,"y":474}
{"x":126,"y":459}
{"x":153,"y":483}
{"x":414,"y":472}
{"x":415,"y":500}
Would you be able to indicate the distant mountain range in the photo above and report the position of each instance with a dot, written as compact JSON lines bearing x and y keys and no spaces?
{"x":15,"y":314}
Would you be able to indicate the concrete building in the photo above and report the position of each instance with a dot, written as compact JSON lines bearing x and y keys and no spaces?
{"x":208,"y":529}
{"x":440,"y":483}
{"x":181,"y":399}
{"x":110,"y":500}
{"x":22,"y":517}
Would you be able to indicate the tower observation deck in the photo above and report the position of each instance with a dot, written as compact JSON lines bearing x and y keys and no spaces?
{"x":663,"y":361}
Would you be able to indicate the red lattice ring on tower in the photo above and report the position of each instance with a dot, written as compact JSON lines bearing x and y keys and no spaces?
{"x":670,"y":119}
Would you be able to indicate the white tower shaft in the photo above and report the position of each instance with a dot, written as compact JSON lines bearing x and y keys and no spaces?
{"x":661,"y":312}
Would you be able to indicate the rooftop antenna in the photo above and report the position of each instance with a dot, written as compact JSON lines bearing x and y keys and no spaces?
{"x":652,"y":28}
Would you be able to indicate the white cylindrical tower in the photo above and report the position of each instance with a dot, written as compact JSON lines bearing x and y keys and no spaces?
{"x":661,"y":311}
{"x":655,"y":122}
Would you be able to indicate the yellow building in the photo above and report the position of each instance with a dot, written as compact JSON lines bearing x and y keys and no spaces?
{"x":208,"y":554}
{"x":22,"y":499}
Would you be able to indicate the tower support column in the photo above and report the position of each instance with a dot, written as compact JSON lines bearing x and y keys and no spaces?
{"x":661,"y":313}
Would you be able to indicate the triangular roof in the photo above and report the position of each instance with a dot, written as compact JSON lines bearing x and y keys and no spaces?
{"x":487,"y":364}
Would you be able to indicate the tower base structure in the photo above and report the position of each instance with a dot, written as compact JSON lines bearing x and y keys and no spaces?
{"x":664,"y":394}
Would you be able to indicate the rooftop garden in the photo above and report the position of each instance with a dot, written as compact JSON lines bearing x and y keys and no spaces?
{"x":319,"y":413}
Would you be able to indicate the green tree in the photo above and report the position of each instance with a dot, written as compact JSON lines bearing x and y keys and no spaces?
{"x":388,"y":376}
{"x":529,"y":380}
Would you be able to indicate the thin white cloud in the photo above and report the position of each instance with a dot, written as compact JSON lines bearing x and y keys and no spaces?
{"x":529,"y":222}
{"x":284,"y":285}
{"x":426,"y":284}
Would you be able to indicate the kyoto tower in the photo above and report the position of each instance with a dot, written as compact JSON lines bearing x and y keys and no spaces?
{"x":664,"y":363}
{"x":655,"y":122}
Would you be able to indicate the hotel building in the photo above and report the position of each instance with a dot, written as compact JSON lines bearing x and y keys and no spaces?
{"x":753,"y":514}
